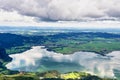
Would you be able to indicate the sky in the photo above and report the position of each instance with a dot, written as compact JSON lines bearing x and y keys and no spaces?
{"x":61,"y":13}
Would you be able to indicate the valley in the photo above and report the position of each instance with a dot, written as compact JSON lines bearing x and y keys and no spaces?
{"x":61,"y":42}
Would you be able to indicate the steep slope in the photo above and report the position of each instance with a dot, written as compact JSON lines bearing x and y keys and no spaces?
{"x":4,"y":58}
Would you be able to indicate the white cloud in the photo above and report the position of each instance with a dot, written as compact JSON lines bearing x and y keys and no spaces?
{"x":13,"y":17}
{"x":103,"y":66}
{"x":57,"y":10}
{"x":61,"y":13}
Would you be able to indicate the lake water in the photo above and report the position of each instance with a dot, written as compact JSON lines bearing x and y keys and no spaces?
{"x":39,"y":59}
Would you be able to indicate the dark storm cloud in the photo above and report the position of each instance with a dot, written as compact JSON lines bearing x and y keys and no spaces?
{"x":64,"y":10}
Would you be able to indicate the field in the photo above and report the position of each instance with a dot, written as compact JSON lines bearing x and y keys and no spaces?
{"x":52,"y":75}
{"x":65,"y":43}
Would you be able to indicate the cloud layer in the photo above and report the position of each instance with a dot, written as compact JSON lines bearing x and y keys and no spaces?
{"x":43,"y":60}
{"x":65,"y":10}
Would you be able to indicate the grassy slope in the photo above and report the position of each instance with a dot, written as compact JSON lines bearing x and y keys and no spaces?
{"x":52,"y":75}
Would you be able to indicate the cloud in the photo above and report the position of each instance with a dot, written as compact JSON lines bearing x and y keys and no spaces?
{"x":65,"y":10}
{"x":43,"y":60}
{"x":13,"y":17}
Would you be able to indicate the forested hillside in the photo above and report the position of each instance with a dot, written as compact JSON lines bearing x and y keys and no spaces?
{"x":66,"y":43}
